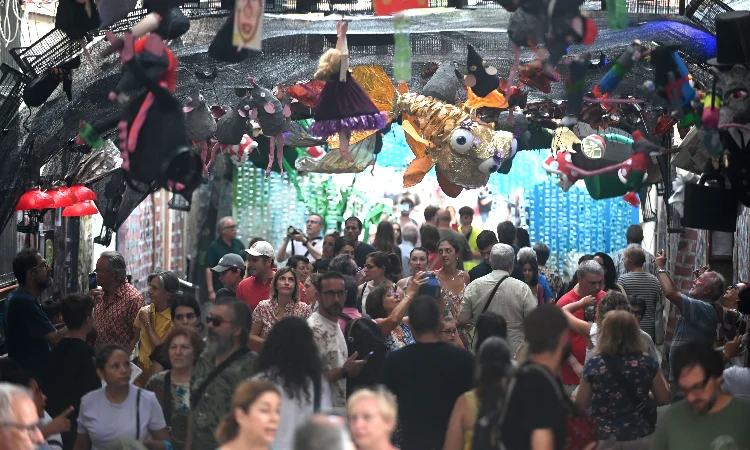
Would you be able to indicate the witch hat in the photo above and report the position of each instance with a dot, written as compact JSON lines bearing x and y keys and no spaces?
{"x":482,"y":78}
{"x":732,"y":39}
{"x":173,"y":24}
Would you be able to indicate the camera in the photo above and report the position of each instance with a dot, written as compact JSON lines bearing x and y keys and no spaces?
{"x":292,"y":230}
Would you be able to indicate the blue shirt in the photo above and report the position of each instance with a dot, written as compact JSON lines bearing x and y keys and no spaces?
{"x":545,"y":287}
{"x":26,"y":326}
{"x":697,"y":322}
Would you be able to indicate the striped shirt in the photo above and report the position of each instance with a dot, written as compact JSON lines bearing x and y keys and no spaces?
{"x":619,"y":258}
{"x":646,"y":286}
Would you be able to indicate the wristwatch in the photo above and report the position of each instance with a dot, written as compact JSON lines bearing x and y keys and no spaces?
{"x":661,"y":271}
{"x":344,"y":373}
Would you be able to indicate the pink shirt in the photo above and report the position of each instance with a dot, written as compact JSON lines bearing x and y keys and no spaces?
{"x":353,"y":313}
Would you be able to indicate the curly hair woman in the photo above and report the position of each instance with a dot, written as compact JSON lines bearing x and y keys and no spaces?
{"x":290,"y":359}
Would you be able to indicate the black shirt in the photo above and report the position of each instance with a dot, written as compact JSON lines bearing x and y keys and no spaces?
{"x":480,"y":270}
{"x":26,"y":326}
{"x":534,"y":405}
{"x":215,"y":251}
{"x":68,"y":377}
{"x":225,"y":292}
{"x":361,"y":252}
{"x":427,"y":379}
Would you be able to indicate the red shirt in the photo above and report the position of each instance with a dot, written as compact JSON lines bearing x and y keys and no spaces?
{"x":578,"y":341}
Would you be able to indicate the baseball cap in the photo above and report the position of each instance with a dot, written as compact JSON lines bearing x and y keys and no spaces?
{"x":229,"y":261}
{"x":261,"y":248}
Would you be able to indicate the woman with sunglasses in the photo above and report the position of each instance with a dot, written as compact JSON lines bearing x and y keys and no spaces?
{"x":284,"y":302}
{"x":380,"y":268}
{"x":387,"y":305}
{"x":185,"y":311}
{"x":172,"y":387}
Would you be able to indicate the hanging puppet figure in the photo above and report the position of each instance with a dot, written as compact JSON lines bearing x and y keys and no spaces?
{"x":273,"y":117}
{"x":343,"y":106}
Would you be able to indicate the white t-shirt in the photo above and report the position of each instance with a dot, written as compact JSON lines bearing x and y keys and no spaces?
{"x":54,"y":441}
{"x":103,"y":420}
{"x":299,"y":248}
{"x":295,"y":412}
{"x":737,"y":382}
{"x":332,"y":349}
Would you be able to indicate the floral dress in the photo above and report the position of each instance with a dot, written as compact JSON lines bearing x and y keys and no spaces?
{"x":180,"y":407}
{"x":394,"y":342}
{"x":615,"y":414}
{"x":267,"y":311}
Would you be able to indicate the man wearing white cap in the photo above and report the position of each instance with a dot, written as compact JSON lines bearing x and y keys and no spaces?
{"x":257,"y":287}
{"x":231,"y":269}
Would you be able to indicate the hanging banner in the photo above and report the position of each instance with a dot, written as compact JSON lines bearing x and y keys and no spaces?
{"x":401,"y":48}
{"x":388,"y":7}
{"x":248,"y":24}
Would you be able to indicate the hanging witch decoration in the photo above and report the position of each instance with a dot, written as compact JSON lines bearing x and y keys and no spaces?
{"x":343,"y":106}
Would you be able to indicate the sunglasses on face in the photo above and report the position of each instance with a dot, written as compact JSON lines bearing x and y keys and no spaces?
{"x":216,"y":321}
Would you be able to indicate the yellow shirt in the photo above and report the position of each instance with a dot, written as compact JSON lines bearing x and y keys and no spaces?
{"x":160,"y":322}
{"x":472,"y":239}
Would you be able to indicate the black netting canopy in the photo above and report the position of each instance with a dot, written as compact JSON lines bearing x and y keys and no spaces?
{"x":291,"y":48}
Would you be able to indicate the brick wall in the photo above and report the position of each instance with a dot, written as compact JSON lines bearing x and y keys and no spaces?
{"x":176,"y":242}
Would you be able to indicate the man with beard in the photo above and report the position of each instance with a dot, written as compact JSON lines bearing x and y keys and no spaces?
{"x":708,"y":418}
{"x":537,"y":406}
{"x":225,"y":363}
{"x":29,"y":332}
{"x":329,"y":339}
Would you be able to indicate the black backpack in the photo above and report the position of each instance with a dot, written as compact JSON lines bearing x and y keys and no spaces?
{"x":364,"y":336}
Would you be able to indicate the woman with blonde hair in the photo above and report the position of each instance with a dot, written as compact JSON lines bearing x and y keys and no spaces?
{"x":253,"y":419}
{"x":284,"y":302}
{"x":616,"y":383}
{"x":372,"y":418}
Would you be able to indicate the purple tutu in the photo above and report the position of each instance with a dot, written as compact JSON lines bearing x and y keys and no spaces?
{"x":345,"y":105}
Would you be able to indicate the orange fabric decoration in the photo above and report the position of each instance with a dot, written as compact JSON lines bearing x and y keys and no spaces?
{"x":494,"y":100}
{"x":417,"y":170}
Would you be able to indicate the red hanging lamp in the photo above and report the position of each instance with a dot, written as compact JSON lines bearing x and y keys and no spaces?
{"x":63,"y":197}
{"x":83,"y":193}
{"x":80,"y":209}
{"x":34,"y":199}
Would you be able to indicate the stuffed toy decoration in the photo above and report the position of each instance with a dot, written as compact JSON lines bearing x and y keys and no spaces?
{"x":40,"y":89}
{"x":273,"y":118}
{"x":593,"y":146}
{"x":557,"y":24}
{"x":173,"y":25}
{"x":561,"y":164}
{"x":463,"y":150}
{"x":75,"y":18}
{"x":444,"y":83}
{"x":732,"y":64}
{"x":200,"y":125}
{"x":307,"y":93}
{"x":152,"y":137}
{"x":124,"y":45}
{"x":575,"y":85}
{"x":624,"y":64}
{"x":343,"y":106}
{"x":362,"y":153}
{"x":672,"y":78}
{"x":531,"y":74}
{"x":297,"y":136}
{"x":221,"y":48}
{"x":230,"y":132}
{"x":111,"y":11}
{"x":482,"y":78}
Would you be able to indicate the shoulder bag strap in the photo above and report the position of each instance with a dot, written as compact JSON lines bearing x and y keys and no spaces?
{"x":138,"y":415}
{"x":492,"y":294}
{"x":195,"y":397}
{"x":166,"y":399}
{"x":317,"y":387}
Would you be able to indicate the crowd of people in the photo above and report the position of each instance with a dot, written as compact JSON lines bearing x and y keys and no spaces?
{"x":427,"y":338}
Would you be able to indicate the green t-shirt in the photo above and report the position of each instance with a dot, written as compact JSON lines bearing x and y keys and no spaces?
{"x":215,"y":251}
{"x":680,"y":428}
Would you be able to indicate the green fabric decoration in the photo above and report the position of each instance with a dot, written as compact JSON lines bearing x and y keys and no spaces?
{"x":401,"y":49}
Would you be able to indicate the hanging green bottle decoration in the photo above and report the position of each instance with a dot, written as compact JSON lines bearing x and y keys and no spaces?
{"x":401,"y":48}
